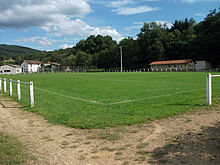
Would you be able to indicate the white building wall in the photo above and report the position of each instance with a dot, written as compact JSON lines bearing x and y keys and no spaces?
{"x":35,"y":67}
{"x":30,"y":67}
{"x":6,"y":69}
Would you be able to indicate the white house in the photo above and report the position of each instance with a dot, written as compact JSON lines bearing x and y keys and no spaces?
{"x":10,"y":69}
{"x":31,"y":66}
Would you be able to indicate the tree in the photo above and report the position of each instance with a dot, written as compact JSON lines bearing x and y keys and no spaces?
{"x":150,"y":42}
{"x":208,"y":38}
{"x":130,"y":53}
{"x":83,"y":59}
{"x":70,"y":60}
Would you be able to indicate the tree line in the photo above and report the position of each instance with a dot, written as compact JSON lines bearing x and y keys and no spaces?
{"x":155,"y":42}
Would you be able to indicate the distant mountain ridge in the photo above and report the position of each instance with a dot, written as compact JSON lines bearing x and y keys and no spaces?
{"x":14,"y":50}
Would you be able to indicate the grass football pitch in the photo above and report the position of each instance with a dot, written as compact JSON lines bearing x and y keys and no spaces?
{"x":99,"y":100}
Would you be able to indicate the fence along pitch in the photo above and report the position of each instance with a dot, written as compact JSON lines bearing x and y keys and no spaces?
{"x":31,"y":89}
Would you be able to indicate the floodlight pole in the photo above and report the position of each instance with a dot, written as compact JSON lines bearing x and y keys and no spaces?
{"x":121,"y":58}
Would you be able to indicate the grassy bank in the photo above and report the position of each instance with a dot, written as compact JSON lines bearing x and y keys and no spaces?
{"x":12,"y":151}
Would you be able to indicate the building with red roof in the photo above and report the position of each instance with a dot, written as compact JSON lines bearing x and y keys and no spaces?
{"x":173,"y":65}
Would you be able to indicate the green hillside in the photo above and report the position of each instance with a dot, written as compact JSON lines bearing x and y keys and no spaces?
{"x":13,"y":50}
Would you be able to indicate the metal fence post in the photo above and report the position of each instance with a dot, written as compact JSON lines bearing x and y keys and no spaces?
{"x":10,"y":87}
{"x":208,"y":89}
{"x":5,"y":85}
{"x":31,"y":94}
{"x":19,"y":89}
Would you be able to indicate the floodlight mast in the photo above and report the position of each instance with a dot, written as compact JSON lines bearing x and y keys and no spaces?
{"x":121,"y":58}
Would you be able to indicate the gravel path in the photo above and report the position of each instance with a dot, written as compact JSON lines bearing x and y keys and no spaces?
{"x":192,"y":138}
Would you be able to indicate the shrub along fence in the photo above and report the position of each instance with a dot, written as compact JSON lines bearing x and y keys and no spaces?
{"x":18,"y":86}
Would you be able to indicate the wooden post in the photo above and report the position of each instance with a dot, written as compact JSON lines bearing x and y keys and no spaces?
{"x":19,"y":89}
{"x":10,"y":87}
{"x":0,"y":83}
{"x":31,"y":94}
{"x":5,"y":85}
{"x":208,"y":89}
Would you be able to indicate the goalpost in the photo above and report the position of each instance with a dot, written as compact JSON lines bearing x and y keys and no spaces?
{"x":209,"y":88}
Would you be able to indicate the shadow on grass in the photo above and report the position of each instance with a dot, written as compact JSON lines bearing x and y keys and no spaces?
{"x":201,"y":148}
{"x":184,"y":104}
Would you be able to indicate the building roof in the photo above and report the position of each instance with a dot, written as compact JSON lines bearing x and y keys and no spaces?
{"x":186,"y":61}
{"x":15,"y":66}
{"x":10,"y":60}
{"x":32,"y":61}
{"x":51,"y":63}
{"x":11,"y":65}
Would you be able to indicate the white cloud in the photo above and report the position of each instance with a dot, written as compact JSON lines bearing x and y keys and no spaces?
{"x":169,"y":25}
{"x":27,"y":13}
{"x":65,"y":26}
{"x":134,"y":10}
{"x":43,"y":41}
{"x":138,"y":25}
{"x":59,"y":17}
{"x":64,"y":46}
{"x":200,"y":15}
{"x":120,"y":3}
{"x":130,"y":7}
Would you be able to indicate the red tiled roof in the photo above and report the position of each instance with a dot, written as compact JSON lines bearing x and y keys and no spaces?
{"x":32,"y":62}
{"x":186,"y":61}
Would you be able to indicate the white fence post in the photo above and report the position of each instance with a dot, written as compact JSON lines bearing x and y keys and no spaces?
{"x":10,"y":87}
{"x":5,"y":85}
{"x":0,"y":83}
{"x":19,"y":89}
{"x":208,"y":89}
{"x":31,"y":94}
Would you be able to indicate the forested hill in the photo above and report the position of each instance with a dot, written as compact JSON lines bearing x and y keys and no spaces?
{"x":13,"y":50}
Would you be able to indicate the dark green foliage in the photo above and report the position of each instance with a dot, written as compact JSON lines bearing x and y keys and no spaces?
{"x":18,"y":53}
{"x":13,"y":50}
{"x":208,"y":38}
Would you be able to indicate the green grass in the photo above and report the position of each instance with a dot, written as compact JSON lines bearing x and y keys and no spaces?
{"x":100,"y":100}
{"x":11,"y":150}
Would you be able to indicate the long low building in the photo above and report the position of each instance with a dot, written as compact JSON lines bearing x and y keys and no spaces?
{"x":173,"y":65}
{"x":10,"y":69}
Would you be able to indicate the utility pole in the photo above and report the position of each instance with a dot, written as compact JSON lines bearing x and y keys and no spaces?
{"x":121,"y":58}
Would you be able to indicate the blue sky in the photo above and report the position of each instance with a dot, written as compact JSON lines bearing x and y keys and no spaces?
{"x":55,"y":24}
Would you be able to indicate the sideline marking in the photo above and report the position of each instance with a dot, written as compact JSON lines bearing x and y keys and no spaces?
{"x":75,"y":98}
{"x":146,"y":98}
{"x":114,"y":103}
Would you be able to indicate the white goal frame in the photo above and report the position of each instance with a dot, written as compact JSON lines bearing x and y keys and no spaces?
{"x":209,"y":88}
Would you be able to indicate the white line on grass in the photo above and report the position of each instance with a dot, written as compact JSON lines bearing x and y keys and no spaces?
{"x":75,"y":98}
{"x":146,"y":98}
{"x":114,"y":103}
{"x":115,"y":80}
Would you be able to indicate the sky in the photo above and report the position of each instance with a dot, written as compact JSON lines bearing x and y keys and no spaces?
{"x":59,"y":24}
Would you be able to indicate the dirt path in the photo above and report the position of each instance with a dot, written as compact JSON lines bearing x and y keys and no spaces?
{"x":187,"y":139}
